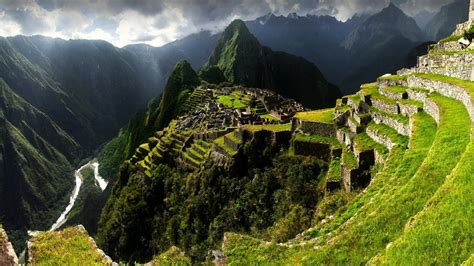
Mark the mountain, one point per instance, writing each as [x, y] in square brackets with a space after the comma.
[60, 101]
[178, 88]
[243, 60]
[36, 160]
[445, 21]
[341, 49]
[315, 38]
[386, 34]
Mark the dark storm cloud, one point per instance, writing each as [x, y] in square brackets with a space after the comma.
[145, 20]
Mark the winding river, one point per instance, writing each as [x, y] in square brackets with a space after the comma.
[99, 181]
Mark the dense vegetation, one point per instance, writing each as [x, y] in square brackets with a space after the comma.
[267, 193]
[142, 126]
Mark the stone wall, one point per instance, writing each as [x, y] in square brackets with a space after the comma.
[354, 178]
[229, 142]
[319, 150]
[453, 65]
[443, 47]
[406, 71]
[385, 107]
[461, 28]
[417, 95]
[408, 109]
[282, 137]
[400, 127]
[392, 94]
[383, 82]
[448, 90]
[432, 109]
[315, 128]
[380, 138]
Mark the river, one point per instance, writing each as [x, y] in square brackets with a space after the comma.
[99, 181]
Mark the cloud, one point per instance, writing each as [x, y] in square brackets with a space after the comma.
[157, 22]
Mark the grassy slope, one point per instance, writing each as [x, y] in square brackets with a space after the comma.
[434, 235]
[382, 221]
[66, 247]
[399, 163]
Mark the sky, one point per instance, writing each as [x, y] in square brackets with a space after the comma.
[157, 22]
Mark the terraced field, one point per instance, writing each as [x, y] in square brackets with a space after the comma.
[418, 207]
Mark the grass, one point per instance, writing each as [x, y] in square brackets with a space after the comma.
[318, 139]
[220, 142]
[389, 132]
[451, 38]
[467, 85]
[400, 118]
[348, 159]
[274, 128]
[334, 171]
[191, 158]
[70, 246]
[462, 52]
[385, 206]
[230, 101]
[323, 116]
[383, 98]
[402, 197]
[173, 256]
[245, 250]
[364, 143]
[369, 88]
[411, 102]
[442, 233]
[234, 138]
[396, 89]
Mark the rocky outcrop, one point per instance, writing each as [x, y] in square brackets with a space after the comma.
[52, 243]
[7, 253]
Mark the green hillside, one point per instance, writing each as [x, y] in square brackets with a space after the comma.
[35, 162]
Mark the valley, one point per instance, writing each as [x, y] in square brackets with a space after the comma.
[278, 140]
[79, 179]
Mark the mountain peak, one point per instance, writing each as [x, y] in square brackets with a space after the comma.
[235, 35]
[237, 26]
[392, 9]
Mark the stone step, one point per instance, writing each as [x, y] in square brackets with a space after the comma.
[364, 148]
[394, 92]
[354, 126]
[392, 80]
[194, 154]
[458, 89]
[190, 161]
[385, 135]
[446, 46]
[385, 104]
[398, 122]
[199, 149]
[453, 64]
